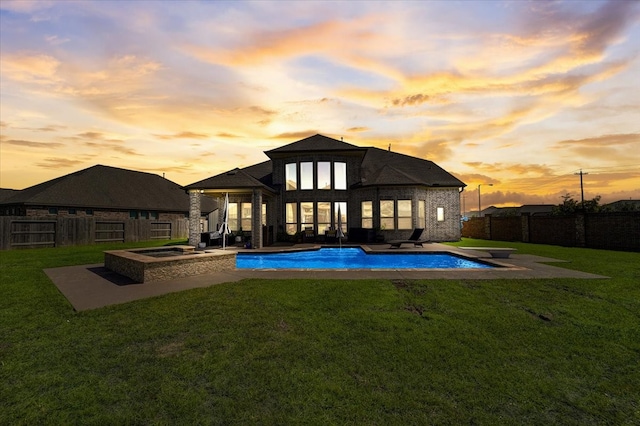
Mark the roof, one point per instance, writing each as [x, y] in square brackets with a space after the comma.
[315, 143]
[249, 177]
[7, 193]
[109, 188]
[379, 168]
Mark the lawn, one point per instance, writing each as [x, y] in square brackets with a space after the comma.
[373, 352]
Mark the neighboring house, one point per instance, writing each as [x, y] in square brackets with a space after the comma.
[530, 209]
[103, 192]
[623, 206]
[303, 185]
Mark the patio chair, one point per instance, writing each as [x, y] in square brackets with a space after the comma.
[413, 239]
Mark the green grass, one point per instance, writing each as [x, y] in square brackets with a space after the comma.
[374, 352]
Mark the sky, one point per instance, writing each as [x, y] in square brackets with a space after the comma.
[520, 95]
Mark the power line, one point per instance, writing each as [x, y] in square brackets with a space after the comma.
[581, 186]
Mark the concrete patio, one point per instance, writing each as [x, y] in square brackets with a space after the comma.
[94, 286]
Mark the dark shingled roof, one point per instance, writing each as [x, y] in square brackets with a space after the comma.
[315, 143]
[7, 193]
[379, 167]
[249, 177]
[104, 187]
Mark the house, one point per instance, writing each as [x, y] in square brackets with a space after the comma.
[102, 192]
[301, 188]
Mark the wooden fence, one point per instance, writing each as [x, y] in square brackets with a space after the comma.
[613, 230]
[31, 232]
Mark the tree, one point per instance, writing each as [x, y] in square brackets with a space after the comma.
[570, 206]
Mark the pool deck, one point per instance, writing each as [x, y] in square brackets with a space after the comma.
[94, 286]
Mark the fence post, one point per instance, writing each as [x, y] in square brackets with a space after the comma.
[524, 223]
[487, 226]
[581, 239]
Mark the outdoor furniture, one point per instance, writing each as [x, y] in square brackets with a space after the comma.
[495, 252]
[308, 236]
[413, 239]
[331, 236]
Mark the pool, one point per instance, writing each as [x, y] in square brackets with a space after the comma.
[353, 258]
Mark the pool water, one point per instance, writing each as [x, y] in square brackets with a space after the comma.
[352, 258]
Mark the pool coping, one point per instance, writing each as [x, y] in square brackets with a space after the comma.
[93, 286]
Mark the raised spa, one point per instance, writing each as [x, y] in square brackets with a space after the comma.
[163, 263]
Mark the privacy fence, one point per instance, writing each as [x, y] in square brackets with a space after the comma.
[31, 232]
[613, 231]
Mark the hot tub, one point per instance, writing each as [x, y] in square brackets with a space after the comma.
[163, 263]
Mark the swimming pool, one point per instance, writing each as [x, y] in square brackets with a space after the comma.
[353, 258]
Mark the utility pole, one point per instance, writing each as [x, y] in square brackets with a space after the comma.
[581, 186]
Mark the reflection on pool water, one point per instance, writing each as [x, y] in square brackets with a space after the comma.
[353, 258]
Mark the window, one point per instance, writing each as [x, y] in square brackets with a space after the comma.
[155, 215]
[291, 176]
[72, 211]
[133, 214]
[264, 214]
[245, 216]
[89, 212]
[404, 214]
[144, 215]
[421, 214]
[324, 216]
[340, 175]
[306, 213]
[291, 218]
[53, 210]
[306, 175]
[440, 214]
[342, 206]
[366, 208]
[387, 213]
[324, 175]
[233, 216]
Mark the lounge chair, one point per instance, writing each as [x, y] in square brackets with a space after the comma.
[414, 239]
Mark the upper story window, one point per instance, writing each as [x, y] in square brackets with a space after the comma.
[340, 175]
[306, 175]
[324, 175]
[291, 176]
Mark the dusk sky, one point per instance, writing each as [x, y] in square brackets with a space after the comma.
[520, 94]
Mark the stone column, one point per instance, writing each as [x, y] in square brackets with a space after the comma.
[194, 217]
[256, 219]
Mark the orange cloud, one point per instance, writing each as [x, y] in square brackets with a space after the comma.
[32, 144]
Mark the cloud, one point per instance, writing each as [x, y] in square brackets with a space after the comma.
[32, 144]
[58, 163]
[183, 135]
[606, 140]
[295, 135]
[358, 129]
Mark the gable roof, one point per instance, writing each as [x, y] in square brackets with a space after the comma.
[7, 193]
[378, 168]
[109, 188]
[249, 177]
[315, 143]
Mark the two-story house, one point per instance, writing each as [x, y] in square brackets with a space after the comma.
[304, 184]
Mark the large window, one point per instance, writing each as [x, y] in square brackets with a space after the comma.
[324, 216]
[340, 175]
[440, 214]
[291, 176]
[387, 214]
[245, 216]
[324, 175]
[367, 214]
[233, 216]
[404, 214]
[306, 215]
[291, 218]
[421, 214]
[306, 175]
[264, 214]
